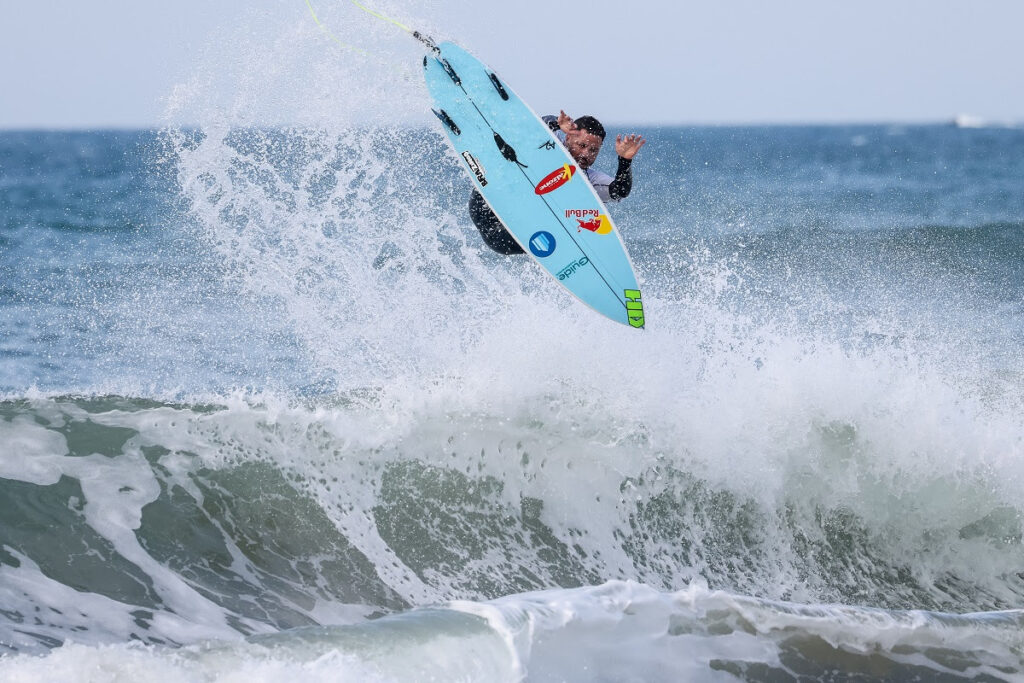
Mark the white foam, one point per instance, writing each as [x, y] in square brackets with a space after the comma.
[68, 615]
[31, 452]
[628, 631]
[115, 490]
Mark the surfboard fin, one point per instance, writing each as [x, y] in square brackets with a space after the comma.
[451, 72]
[507, 151]
[498, 86]
[447, 121]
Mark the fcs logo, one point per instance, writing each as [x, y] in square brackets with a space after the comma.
[600, 224]
[555, 179]
[542, 244]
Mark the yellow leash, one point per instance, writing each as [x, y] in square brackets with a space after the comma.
[426, 40]
[331, 35]
[381, 16]
[400, 69]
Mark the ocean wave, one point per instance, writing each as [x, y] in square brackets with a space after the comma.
[180, 522]
[611, 632]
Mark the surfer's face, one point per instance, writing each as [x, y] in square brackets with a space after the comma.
[583, 147]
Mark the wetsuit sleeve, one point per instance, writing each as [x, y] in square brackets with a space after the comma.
[623, 183]
[552, 122]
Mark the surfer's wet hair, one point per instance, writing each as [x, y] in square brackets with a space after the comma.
[591, 125]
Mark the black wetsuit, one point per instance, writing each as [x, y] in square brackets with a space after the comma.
[491, 229]
[498, 238]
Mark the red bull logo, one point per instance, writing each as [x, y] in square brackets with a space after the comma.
[599, 224]
[555, 179]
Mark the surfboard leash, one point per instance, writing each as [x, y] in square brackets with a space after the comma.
[331, 35]
[400, 69]
[426, 40]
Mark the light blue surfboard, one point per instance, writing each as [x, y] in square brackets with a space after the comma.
[532, 184]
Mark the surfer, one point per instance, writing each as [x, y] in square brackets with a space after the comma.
[583, 139]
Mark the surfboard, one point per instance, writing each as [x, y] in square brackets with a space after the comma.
[532, 184]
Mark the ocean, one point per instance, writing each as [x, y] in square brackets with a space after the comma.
[270, 409]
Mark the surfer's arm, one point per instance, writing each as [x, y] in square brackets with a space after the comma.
[623, 183]
[626, 147]
[552, 122]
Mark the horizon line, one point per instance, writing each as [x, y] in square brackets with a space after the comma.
[953, 121]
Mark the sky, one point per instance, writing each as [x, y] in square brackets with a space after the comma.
[125, 63]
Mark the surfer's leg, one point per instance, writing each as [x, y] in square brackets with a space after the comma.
[494, 233]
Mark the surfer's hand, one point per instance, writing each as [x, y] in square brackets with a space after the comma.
[627, 147]
[566, 123]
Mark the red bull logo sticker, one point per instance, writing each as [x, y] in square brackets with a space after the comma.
[590, 219]
[555, 179]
